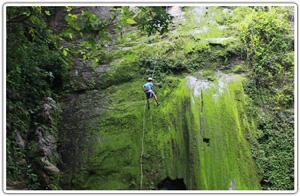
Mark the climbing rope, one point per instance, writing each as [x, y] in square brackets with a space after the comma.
[155, 63]
[142, 153]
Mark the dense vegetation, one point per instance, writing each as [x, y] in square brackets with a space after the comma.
[38, 65]
[270, 51]
[35, 71]
[39, 61]
[268, 46]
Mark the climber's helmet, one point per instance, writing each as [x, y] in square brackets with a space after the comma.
[149, 79]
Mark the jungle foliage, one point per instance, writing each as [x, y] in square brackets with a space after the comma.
[269, 47]
[270, 54]
[35, 70]
[38, 63]
[266, 43]
[158, 21]
[273, 146]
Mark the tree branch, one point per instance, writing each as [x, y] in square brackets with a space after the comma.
[22, 20]
[35, 28]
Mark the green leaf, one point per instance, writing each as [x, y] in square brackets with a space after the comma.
[26, 13]
[48, 13]
[65, 52]
[117, 9]
[95, 66]
[93, 45]
[32, 32]
[112, 16]
[71, 35]
[106, 37]
[130, 21]
[68, 8]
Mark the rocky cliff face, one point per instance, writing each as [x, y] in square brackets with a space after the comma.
[199, 134]
[40, 149]
[197, 138]
[201, 137]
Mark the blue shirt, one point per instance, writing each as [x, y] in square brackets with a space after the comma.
[148, 86]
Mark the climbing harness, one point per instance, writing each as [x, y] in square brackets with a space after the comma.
[151, 94]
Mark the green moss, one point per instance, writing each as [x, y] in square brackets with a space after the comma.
[238, 69]
[173, 143]
[174, 131]
[208, 73]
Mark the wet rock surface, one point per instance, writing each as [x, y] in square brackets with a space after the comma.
[200, 85]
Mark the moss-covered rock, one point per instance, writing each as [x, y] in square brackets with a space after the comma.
[198, 134]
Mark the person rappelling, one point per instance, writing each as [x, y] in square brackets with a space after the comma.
[149, 92]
